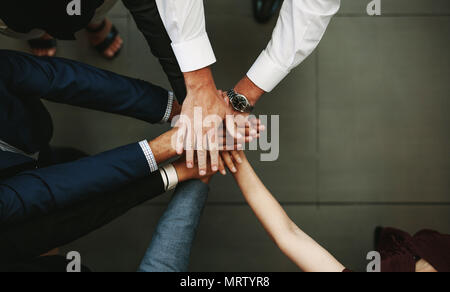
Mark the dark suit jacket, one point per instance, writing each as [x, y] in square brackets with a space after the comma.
[51, 16]
[26, 125]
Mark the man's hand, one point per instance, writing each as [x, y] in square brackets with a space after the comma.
[202, 113]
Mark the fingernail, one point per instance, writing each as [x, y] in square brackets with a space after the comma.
[215, 168]
[202, 173]
[224, 172]
[190, 165]
[234, 169]
[239, 160]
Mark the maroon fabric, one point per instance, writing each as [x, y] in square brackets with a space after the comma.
[401, 251]
[434, 248]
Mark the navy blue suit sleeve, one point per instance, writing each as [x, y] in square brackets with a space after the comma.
[70, 82]
[43, 190]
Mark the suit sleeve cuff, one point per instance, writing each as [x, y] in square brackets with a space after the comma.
[166, 117]
[194, 54]
[153, 166]
[265, 73]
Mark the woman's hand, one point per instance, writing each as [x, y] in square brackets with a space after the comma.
[231, 159]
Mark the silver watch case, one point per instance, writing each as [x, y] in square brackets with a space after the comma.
[239, 102]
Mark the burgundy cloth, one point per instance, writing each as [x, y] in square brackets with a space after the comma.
[400, 251]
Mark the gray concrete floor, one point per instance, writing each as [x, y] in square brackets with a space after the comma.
[365, 137]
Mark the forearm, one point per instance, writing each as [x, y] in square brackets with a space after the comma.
[70, 82]
[306, 253]
[249, 89]
[265, 206]
[299, 30]
[162, 147]
[41, 191]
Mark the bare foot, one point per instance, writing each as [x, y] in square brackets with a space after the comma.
[44, 52]
[98, 37]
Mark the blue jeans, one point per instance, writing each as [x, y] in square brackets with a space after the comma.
[172, 241]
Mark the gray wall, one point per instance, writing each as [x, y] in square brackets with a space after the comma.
[365, 137]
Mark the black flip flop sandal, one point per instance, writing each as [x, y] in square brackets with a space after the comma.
[108, 41]
[42, 44]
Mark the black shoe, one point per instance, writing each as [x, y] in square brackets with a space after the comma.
[265, 9]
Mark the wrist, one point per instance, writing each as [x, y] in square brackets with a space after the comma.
[162, 147]
[199, 79]
[249, 89]
[182, 171]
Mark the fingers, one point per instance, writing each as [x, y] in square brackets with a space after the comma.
[236, 156]
[222, 166]
[213, 147]
[231, 128]
[181, 136]
[229, 161]
[201, 154]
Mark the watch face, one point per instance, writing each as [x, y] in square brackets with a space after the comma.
[240, 103]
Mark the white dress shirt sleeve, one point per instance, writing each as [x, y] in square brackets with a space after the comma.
[300, 27]
[185, 23]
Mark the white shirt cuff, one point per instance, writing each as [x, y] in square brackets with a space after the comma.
[168, 112]
[194, 54]
[265, 73]
[149, 156]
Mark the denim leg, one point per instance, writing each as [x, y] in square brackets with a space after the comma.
[172, 241]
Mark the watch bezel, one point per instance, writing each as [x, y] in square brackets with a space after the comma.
[232, 95]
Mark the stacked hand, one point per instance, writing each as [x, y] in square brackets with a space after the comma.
[201, 126]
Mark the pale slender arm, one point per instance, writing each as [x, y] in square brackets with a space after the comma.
[306, 253]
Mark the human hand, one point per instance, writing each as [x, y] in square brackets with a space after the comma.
[202, 113]
[238, 121]
[230, 156]
[184, 173]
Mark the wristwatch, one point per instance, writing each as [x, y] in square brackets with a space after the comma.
[239, 102]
